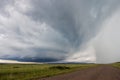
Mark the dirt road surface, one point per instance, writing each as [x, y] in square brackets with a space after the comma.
[104, 72]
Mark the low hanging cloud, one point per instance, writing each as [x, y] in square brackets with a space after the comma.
[63, 31]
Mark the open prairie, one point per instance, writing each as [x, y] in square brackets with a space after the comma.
[60, 71]
[102, 72]
[37, 71]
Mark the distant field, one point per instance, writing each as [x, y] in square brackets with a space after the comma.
[34, 71]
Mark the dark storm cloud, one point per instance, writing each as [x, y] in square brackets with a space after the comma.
[75, 20]
[65, 30]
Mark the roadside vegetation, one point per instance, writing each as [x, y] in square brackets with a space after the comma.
[34, 71]
[116, 64]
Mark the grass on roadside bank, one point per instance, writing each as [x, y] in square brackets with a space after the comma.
[34, 71]
[116, 64]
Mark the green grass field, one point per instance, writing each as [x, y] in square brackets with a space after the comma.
[34, 71]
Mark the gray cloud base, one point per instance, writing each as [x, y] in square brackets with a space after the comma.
[50, 30]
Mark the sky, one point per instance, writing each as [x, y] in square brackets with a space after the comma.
[60, 30]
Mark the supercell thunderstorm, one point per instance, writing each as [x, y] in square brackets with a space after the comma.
[60, 30]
